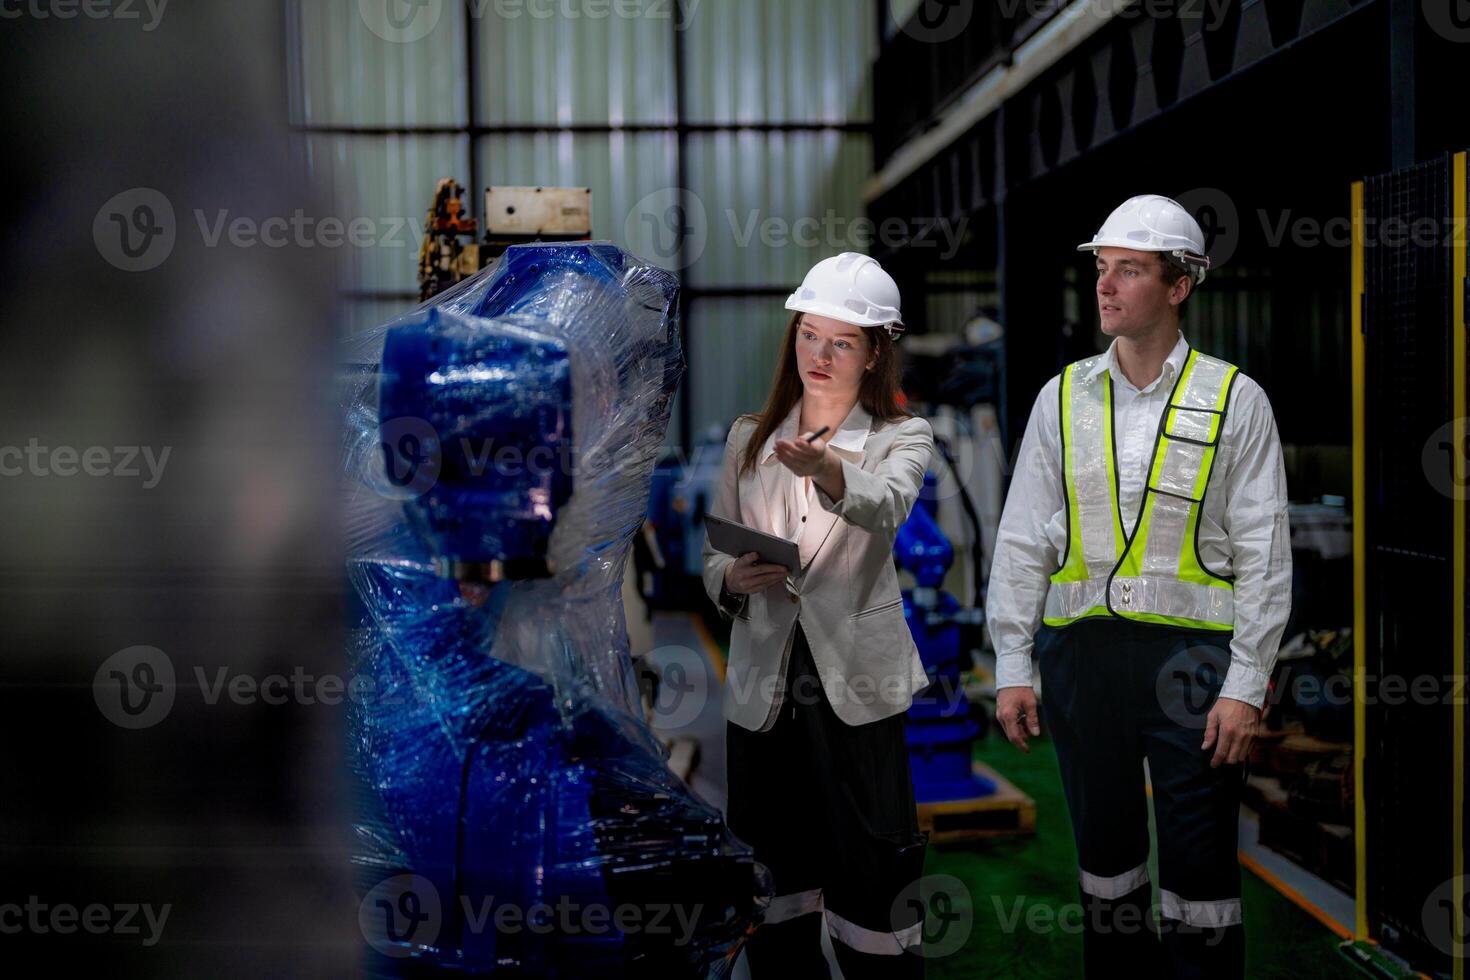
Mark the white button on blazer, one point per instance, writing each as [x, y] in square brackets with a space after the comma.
[846, 594]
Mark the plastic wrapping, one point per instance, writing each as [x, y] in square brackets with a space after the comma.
[518, 814]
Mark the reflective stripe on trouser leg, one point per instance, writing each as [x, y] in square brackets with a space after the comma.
[876, 931]
[784, 907]
[814, 793]
[770, 777]
[1090, 705]
[1114, 886]
[1203, 939]
[874, 941]
[1197, 807]
[1203, 914]
[865, 912]
[875, 927]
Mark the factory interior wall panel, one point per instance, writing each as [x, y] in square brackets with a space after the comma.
[1409, 521]
[738, 339]
[773, 203]
[1232, 317]
[951, 263]
[948, 310]
[773, 61]
[385, 180]
[633, 177]
[1032, 285]
[349, 76]
[584, 70]
[1285, 333]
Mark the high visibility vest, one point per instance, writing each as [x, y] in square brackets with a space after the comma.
[1154, 575]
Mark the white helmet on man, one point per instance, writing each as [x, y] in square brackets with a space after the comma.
[1151, 223]
[853, 288]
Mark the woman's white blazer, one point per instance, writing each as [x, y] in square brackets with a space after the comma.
[846, 595]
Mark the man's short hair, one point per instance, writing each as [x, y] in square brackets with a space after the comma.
[1172, 271]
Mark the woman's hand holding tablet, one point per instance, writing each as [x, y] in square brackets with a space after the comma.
[747, 576]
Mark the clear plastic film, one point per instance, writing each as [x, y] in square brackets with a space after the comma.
[518, 815]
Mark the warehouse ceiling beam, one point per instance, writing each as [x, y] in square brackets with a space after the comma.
[1028, 61]
[1003, 133]
[523, 129]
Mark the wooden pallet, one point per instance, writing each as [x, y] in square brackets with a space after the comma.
[1007, 812]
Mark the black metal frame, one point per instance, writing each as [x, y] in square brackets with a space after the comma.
[1407, 324]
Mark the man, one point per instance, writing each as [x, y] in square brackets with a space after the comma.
[1145, 555]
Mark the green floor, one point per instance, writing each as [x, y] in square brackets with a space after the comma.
[1282, 941]
[1005, 876]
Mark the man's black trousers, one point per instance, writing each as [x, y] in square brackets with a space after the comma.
[1114, 693]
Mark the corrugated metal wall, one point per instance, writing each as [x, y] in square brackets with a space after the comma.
[776, 101]
[382, 180]
[347, 75]
[774, 203]
[577, 70]
[755, 61]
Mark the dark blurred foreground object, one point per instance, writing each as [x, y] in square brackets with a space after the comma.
[187, 370]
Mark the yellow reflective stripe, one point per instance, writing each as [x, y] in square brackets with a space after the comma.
[1180, 621]
[1190, 569]
[1206, 469]
[1132, 564]
[1075, 569]
[1092, 613]
[1120, 539]
[1217, 420]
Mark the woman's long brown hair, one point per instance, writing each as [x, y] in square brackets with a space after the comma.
[879, 393]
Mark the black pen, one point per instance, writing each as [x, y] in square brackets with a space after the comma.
[815, 435]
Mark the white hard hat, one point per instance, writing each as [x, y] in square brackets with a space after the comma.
[853, 288]
[1151, 223]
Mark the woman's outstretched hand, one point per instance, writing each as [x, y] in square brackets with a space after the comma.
[801, 457]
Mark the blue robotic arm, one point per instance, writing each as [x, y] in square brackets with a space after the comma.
[519, 818]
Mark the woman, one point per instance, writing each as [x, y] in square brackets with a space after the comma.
[822, 665]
